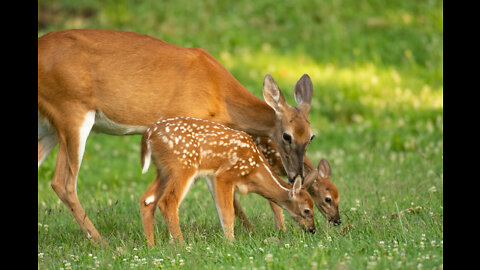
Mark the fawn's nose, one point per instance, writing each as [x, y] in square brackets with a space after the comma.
[312, 230]
[337, 222]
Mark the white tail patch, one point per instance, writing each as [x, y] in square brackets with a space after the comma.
[147, 158]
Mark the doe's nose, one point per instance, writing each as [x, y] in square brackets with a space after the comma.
[337, 222]
[312, 230]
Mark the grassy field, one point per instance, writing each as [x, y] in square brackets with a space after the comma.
[377, 112]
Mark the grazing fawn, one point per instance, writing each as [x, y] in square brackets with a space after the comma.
[317, 182]
[184, 149]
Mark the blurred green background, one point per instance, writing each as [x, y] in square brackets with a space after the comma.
[367, 59]
[377, 112]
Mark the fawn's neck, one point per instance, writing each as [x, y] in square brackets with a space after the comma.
[271, 187]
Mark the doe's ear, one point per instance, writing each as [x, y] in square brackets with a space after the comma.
[297, 186]
[310, 178]
[324, 168]
[304, 92]
[272, 94]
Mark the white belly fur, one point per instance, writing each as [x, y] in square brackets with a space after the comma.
[104, 125]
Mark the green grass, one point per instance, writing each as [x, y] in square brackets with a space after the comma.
[377, 112]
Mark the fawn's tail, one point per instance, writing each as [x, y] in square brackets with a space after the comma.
[146, 152]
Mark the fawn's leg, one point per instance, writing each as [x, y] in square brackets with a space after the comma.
[177, 186]
[148, 205]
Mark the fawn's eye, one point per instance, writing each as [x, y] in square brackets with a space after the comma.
[328, 199]
[287, 137]
[311, 138]
[306, 211]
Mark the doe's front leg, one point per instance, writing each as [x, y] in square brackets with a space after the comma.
[241, 214]
[225, 208]
[278, 216]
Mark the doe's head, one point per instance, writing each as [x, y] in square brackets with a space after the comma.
[300, 206]
[292, 133]
[324, 192]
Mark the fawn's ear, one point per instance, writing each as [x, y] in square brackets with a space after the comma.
[310, 178]
[272, 94]
[324, 168]
[303, 92]
[297, 186]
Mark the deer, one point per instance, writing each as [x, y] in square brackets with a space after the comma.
[317, 183]
[119, 83]
[185, 149]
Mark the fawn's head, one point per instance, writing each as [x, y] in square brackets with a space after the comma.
[300, 206]
[292, 133]
[324, 192]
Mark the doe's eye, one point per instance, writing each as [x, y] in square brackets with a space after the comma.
[287, 137]
[328, 200]
[311, 138]
[306, 211]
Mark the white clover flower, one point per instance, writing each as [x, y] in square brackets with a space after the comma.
[381, 243]
[432, 189]
[269, 257]
[261, 249]
[287, 245]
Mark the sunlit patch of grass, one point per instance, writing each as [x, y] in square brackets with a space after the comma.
[374, 86]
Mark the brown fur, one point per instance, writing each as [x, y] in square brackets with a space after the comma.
[318, 187]
[133, 79]
[184, 149]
